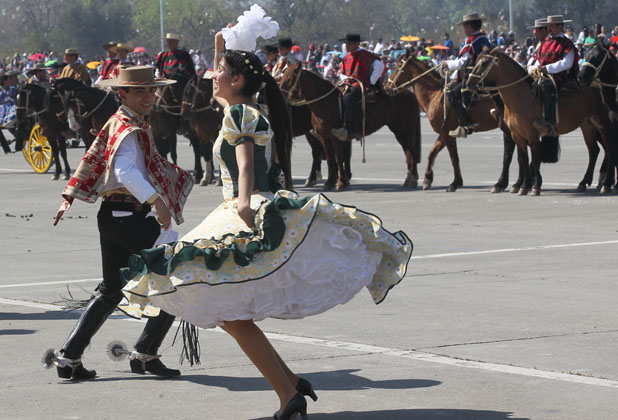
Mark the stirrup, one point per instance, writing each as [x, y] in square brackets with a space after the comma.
[460, 132]
[545, 128]
[341, 133]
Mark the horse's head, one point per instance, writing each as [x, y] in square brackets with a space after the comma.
[30, 101]
[401, 74]
[188, 97]
[484, 69]
[289, 83]
[595, 59]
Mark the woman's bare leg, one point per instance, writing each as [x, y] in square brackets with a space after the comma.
[261, 353]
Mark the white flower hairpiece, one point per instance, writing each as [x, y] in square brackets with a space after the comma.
[251, 24]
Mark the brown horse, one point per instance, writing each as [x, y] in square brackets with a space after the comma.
[429, 90]
[583, 109]
[400, 113]
[204, 116]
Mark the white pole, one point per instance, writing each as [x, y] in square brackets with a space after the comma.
[162, 29]
[510, 16]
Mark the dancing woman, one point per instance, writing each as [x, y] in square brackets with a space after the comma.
[264, 253]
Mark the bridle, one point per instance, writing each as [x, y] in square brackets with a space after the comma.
[26, 107]
[597, 69]
[201, 93]
[481, 77]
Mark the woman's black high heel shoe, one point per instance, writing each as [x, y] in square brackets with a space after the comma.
[304, 387]
[297, 404]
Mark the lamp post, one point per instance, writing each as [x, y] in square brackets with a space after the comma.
[510, 16]
[162, 31]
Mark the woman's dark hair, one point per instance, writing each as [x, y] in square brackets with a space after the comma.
[249, 66]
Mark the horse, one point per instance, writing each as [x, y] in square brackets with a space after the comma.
[400, 113]
[204, 116]
[46, 105]
[429, 91]
[601, 69]
[92, 107]
[166, 121]
[582, 109]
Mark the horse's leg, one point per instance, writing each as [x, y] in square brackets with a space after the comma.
[54, 143]
[431, 158]
[316, 162]
[210, 167]
[341, 157]
[526, 176]
[608, 137]
[404, 139]
[535, 167]
[347, 164]
[603, 172]
[451, 145]
[590, 138]
[507, 158]
[331, 161]
[173, 147]
[63, 152]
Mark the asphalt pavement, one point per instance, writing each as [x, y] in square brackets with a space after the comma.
[508, 310]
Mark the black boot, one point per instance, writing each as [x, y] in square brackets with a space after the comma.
[144, 358]
[69, 365]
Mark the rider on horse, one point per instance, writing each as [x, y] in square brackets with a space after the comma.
[558, 63]
[271, 53]
[74, 69]
[539, 30]
[110, 62]
[174, 60]
[476, 41]
[359, 67]
[38, 75]
[286, 58]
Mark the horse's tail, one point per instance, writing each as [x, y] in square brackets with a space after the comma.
[416, 146]
[550, 149]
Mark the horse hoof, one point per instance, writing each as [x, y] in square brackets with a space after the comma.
[341, 187]
[426, 185]
[318, 176]
[496, 190]
[515, 189]
[523, 191]
[219, 183]
[309, 183]
[55, 177]
[536, 192]
[66, 177]
[327, 187]
[451, 188]
[581, 188]
[410, 184]
[606, 190]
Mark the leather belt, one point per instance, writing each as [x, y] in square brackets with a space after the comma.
[124, 198]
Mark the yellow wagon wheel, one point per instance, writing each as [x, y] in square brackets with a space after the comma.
[37, 150]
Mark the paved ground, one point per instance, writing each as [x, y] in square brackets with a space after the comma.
[508, 310]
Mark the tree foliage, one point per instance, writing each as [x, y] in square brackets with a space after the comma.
[38, 25]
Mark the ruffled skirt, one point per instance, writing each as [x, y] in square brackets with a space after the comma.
[303, 258]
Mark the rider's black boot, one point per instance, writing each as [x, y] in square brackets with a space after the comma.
[144, 358]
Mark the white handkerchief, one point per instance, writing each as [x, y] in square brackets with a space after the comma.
[166, 236]
[119, 213]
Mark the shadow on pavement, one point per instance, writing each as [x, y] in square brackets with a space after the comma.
[16, 332]
[415, 414]
[39, 316]
[339, 380]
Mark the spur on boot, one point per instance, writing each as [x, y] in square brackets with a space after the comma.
[297, 405]
[142, 363]
[72, 369]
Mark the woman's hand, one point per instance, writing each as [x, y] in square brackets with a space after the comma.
[247, 215]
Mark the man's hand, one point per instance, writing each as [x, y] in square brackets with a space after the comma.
[164, 217]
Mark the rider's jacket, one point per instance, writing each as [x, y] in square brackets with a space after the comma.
[474, 44]
[76, 71]
[169, 62]
[558, 49]
[107, 68]
[283, 63]
[358, 64]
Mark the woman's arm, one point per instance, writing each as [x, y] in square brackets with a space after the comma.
[219, 46]
[244, 159]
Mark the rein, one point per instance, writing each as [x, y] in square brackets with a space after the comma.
[191, 104]
[91, 112]
[27, 106]
[399, 72]
[481, 78]
[166, 106]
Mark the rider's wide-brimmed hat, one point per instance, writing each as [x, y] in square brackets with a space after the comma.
[108, 45]
[121, 46]
[557, 19]
[471, 17]
[135, 76]
[351, 38]
[37, 67]
[539, 23]
[285, 42]
[71, 51]
[12, 73]
[172, 35]
[271, 48]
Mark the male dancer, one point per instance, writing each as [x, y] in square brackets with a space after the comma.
[124, 168]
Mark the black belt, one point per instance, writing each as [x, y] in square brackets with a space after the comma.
[125, 199]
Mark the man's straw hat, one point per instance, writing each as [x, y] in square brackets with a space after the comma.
[121, 46]
[173, 35]
[471, 17]
[71, 51]
[539, 23]
[108, 45]
[135, 76]
[557, 19]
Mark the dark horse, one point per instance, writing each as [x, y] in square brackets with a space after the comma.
[400, 113]
[167, 122]
[92, 106]
[46, 105]
[204, 116]
[601, 69]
